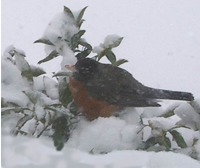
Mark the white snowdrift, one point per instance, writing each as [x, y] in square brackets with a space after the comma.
[27, 152]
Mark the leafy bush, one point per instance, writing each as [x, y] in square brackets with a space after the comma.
[42, 106]
[49, 106]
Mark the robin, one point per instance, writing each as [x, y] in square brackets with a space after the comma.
[101, 89]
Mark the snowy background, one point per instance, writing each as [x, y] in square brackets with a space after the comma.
[161, 38]
[161, 42]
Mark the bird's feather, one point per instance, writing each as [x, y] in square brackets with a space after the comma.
[125, 92]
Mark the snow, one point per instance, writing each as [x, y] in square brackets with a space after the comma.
[197, 146]
[24, 151]
[150, 112]
[110, 41]
[162, 53]
[162, 157]
[164, 123]
[9, 122]
[196, 105]
[59, 31]
[12, 83]
[98, 49]
[188, 115]
[69, 59]
[40, 113]
[51, 87]
[61, 26]
[38, 83]
[113, 134]
[161, 42]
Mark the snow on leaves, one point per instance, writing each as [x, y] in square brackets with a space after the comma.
[105, 49]
[46, 108]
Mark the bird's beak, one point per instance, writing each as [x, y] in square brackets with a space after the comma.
[71, 68]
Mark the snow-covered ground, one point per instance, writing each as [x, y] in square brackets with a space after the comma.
[27, 152]
[161, 42]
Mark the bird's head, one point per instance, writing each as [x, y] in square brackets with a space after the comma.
[84, 69]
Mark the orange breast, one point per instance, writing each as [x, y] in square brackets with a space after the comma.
[90, 107]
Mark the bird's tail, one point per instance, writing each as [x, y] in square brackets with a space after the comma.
[168, 94]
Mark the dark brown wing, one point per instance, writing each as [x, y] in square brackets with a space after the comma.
[116, 86]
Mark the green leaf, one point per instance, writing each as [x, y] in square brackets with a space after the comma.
[75, 40]
[37, 71]
[69, 12]
[62, 73]
[164, 141]
[102, 54]
[79, 20]
[74, 109]
[167, 142]
[51, 56]
[5, 103]
[79, 25]
[54, 107]
[85, 52]
[58, 109]
[85, 44]
[61, 131]
[150, 142]
[44, 41]
[22, 121]
[179, 139]
[23, 66]
[65, 95]
[20, 52]
[168, 114]
[120, 62]
[12, 52]
[91, 151]
[8, 110]
[31, 95]
[80, 33]
[28, 74]
[43, 121]
[111, 57]
[23, 133]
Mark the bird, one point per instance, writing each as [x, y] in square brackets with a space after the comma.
[100, 89]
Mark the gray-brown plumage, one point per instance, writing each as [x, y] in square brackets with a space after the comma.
[115, 86]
